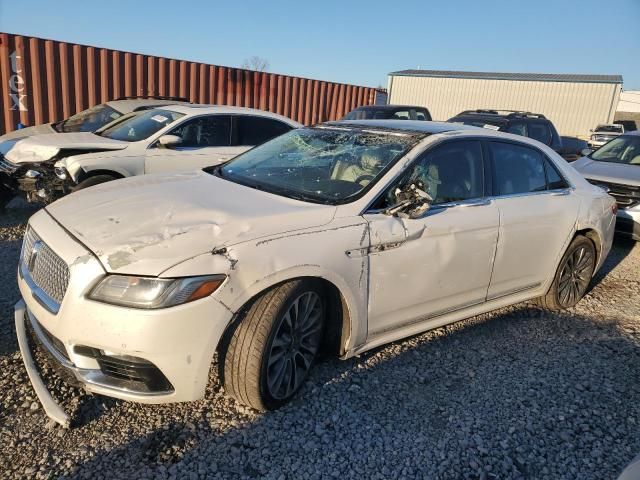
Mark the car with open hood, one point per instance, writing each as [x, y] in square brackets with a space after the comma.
[616, 167]
[167, 139]
[336, 238]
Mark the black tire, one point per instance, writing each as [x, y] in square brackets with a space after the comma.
[248, 372]
[95, 180]
[6, 195]
[572, 278]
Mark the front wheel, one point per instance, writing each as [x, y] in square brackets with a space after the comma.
[275, 344]
[573, 275]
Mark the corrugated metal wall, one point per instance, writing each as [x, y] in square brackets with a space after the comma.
[46, 81]
[574, 108]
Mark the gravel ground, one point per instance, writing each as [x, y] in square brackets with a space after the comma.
[518, 393]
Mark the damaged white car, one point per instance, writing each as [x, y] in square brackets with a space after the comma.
[337, 238]
[168, 139]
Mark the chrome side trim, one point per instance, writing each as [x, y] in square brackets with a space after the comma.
[39, 294]
[512, 291]
[436, 314]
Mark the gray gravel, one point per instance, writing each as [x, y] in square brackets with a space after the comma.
[518, 393]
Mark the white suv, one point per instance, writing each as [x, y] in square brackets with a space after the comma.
[168, 139]
[603, 133]
[340, 237]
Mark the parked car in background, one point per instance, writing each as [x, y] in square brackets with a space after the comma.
[572, 148]
[527, 124]
[391, 112]
[603, 133]
[93, 118]
[168, 139]
[629, 125]
[296, 246]
[616, 167]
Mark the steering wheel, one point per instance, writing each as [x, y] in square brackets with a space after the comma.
[362, 178]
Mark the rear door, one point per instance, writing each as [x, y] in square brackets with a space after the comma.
[251, 130]
[537, 216]
[206, 141]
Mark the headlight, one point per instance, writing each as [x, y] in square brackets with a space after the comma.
[144, 292]
[60, 172]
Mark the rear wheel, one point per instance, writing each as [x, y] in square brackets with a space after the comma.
[95, 180]
[275, 344]
[573, 275]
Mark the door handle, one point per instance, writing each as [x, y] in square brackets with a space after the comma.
[559, 193]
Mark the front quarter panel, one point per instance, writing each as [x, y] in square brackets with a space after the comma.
[253, 267]
[126, 166]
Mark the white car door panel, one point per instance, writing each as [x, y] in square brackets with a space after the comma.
[206, 141]
[535, 226]
[160, 160]
[534, 230]
[420, 268]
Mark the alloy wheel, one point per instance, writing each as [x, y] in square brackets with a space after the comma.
[295, 345]
[575, 276]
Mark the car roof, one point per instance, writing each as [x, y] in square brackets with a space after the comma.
[419, 126]
[387, 107]
[201, 109]
[128, 105]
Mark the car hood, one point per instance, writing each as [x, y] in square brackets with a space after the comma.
[144, 225]
[40, 148]
[27, 132]
[621, 173]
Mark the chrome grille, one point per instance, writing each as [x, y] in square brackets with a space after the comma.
[46, 269]
[6, 166]
[626, 196]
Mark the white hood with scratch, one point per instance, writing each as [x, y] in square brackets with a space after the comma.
[144, 225]
[41, 148]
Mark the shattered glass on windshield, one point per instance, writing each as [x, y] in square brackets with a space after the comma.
[322, 164]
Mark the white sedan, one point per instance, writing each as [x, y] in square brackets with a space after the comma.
[168, 139]
[336, 238]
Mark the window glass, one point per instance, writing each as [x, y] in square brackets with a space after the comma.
[401, 115]
[323, 164]
[450, 173]
[141, 126]
[210, 131]
[89, 120]
[540, 131]
[554, 179]
[623, 149]
[517, 128]
[256, 130]
[518, 169]
[420, 115]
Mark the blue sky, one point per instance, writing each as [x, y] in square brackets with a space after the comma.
[355, 41]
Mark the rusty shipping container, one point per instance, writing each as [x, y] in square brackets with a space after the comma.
[47, 81]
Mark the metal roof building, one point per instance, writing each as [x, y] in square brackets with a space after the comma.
[574, 103]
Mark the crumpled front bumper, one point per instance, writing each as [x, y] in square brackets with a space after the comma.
[52, 409]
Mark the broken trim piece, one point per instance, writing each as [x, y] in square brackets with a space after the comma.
[51, 408]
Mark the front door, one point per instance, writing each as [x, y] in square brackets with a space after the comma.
[206, 141]
[426, 267]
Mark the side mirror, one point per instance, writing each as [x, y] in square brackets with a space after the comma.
[169, 141]
[411, 202]
[585, 152]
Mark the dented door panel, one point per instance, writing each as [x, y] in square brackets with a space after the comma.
[421, 268]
